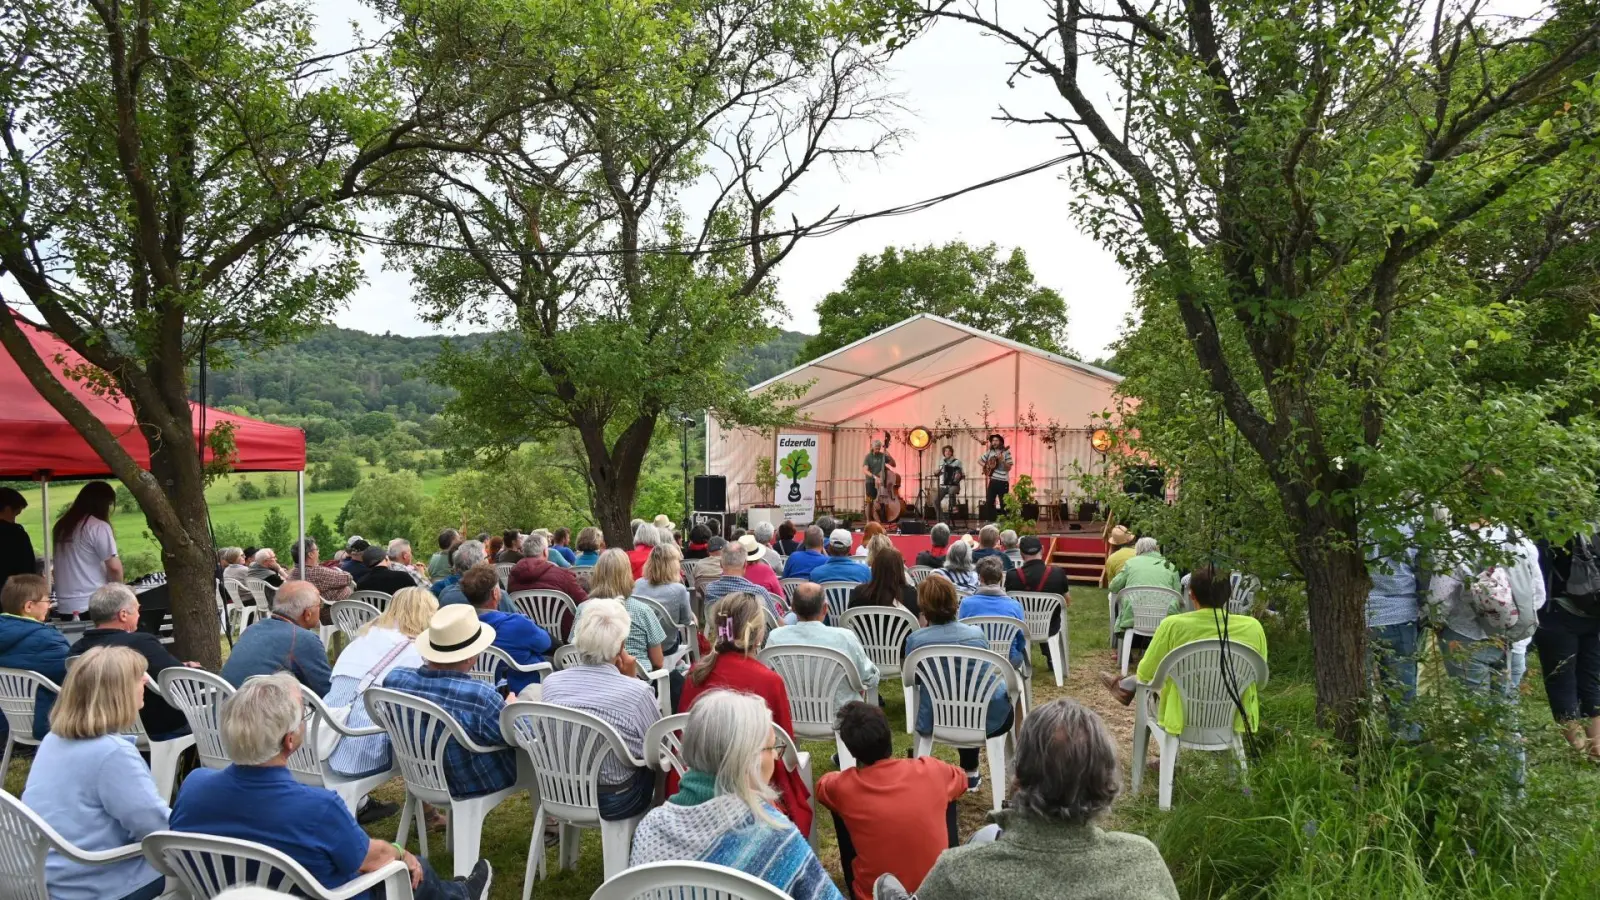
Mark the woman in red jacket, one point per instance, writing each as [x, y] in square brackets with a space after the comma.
[740, 628]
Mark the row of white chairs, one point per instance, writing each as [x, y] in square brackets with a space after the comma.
[1152, 604]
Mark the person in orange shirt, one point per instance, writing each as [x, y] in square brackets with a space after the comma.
[891, 815]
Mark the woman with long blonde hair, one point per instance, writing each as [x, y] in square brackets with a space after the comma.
[384, 644]
[613, 577]
[663, 582]
[89, 784]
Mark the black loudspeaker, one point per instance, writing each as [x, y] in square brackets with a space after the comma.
[912, 526]
[710, 493]
[716, 521]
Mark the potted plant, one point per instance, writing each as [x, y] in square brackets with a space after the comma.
[1026, 499]
[764, 509]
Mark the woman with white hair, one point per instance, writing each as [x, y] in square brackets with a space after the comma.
[959, 567]
[723, 812]
[384, 644]
[645, 539]
[1147, 568]
[605, 684]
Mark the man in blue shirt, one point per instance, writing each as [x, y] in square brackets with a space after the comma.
[990, 599]
[284, 642]
[257, 799]
[453, 640]
[988, 538]
[840, 567]
[808, 557]
[1393, 611]
[514, 633]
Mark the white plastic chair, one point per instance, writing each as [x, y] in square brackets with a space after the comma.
[685, 881]
[198, 694]
[1150, 606]
[686, 633]
[350, 616]
[663, 752]
[204, 866]
[546, 608]
[917, 573]
[564, 656]
[1002, 632]
[1111, 619]
[837, 593]
[240, 615]
[882, 631]
[378, 600]
[788, 585]
[585, 574]
[486, 668]
[419, 731]
[25, 841]
[960, 681]
[567, 748]
[1039, 608]
[1242, 601]
[503, 571]
[164, 755]
[308, 769]
[18, 688]
[263, 592]
[1197, 670]
[812, 676]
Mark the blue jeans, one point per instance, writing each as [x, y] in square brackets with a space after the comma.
[433, 887]
[1392, 660]
[1483, 668]
[631, 799]
[149, 892]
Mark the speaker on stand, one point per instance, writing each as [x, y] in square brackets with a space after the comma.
[710, 493]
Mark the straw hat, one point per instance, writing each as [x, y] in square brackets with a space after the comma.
[664, 523]
[753, 551]
[1120, 536]
[454, 634]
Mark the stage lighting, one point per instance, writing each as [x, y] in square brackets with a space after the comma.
[1101, 440]
[919, 438]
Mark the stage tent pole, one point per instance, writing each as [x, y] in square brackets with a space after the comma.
[300, 490]
[44, 503]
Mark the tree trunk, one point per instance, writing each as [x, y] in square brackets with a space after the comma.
[1336, 593]
[614, 470]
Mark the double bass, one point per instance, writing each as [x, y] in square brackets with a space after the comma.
[889, 504]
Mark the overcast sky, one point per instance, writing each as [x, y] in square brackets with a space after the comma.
[952, 80]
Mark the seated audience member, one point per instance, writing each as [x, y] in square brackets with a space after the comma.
[740, 629]
[939, 603]
[959, 569]
[663, 583]
[1011, 545]
[880, 543]
[439, 563]
[891, 815]
[888, 586]
[449, 647]
[354, 552]
[550, 548]
[519, 636]
[89, 784]
[285, 641]
[988, 545]
[590, 543]
[756, 568]
[827, 524]
[990, 600]
[26, 642]
[536, 572]
[809, 556]
[466, 555]
[510, 547]
[1048, 844]
[1147, 568]
[933, 557]
[870, 531]
[266, 568]
[256, 799]
[1039, 577]
[840, 567]
[1121, 541]
[666, 531]
[605, 684]
[393, 573]
[16, 548]
[383, 645]
[734, 560]
[646, 636]
[722, 812]
[645, 539]
[709, 569]
[558, 544]
[233, 564]
[788, 539]
[114, 610]
[811, 608]
[333, 584]
[763, 535]
[1210, 590]
[494, 547]
[699, 537]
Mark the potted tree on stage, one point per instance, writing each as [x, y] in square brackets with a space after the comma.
[765, 509]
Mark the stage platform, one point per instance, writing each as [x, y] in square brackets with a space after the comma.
[1081, 553]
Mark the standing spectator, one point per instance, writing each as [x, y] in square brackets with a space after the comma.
[605, 684]
[990, 600]
[808, 557]
[933, 557]
[1393, 611]
[85, 548]
[265, 567]
[1037, 576]
[511, 547]
[1148, 568]
[646, 636]
[699, 539]
[811, 610]
[1121, 541]
[439, 563]
[536, 572]
[891, 815]
[114, 610]
[466, 555]
[558, 544]
[393, 573]
[958, 568]
[88, 783]
[333, 584]
[590, 543]
[888, 585]
[762, 534]
[988, 545]
[286, 641]
[663, 582]
[757, 568]
[16, 548]
[787, 542]
[938, 600]
[1569, 643]
[26, 642]
[519, 636]
[645, 539]
[840, 567]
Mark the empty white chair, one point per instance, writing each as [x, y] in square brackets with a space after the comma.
[1111, 621]
[567, 748]
[1207, 683]
[378, 600]
[1150, 606]
[419, 732]
[240, 606]
[546, 608]
[813, 676]
[204, 866]
[685, 881]
[164, 755]
[1242, 601]
[917, 573]
[486, 669]
[25, 841]
[1040, 608]
[503, 571]
[837, 593]
[960, 682]
[18, 687]
[1002, 632]
[350, 616]
[198, 694]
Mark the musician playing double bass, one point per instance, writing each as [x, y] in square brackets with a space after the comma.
[873, 467]
[996, 462]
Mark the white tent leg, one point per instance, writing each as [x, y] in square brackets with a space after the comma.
[300, 493]
[44, 502]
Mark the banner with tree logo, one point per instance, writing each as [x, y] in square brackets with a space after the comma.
[796, 491]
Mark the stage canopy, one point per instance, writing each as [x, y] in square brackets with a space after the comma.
[39, 441]
[958, 382]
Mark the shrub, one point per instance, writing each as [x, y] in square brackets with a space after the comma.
[249, 490]
[386, 507]
[278, 533]
[341, 473]
[275, 485]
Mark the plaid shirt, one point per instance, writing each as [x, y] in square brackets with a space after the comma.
[476, 707]
[333, 584]
[732, 584]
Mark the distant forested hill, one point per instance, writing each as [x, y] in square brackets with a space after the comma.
[772, 358]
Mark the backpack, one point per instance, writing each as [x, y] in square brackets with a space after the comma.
[1497, 609]
[1582, 587]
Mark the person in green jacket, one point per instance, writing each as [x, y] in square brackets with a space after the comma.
[1147, 568]
[1046, 846]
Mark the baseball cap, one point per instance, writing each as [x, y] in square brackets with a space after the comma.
[840, 538]
[1031, 545]
[354, 540]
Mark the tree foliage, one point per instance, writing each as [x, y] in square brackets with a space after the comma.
[533, 487]
[386, 506]
[278, 533]
[976, 286]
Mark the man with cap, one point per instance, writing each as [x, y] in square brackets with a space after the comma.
[756, 568]
[840, 566]
[352, 562]
[709, 569]
[449, 646]
[1121, 541]
[1039, 577]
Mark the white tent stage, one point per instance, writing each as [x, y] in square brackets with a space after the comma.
[958, 382]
